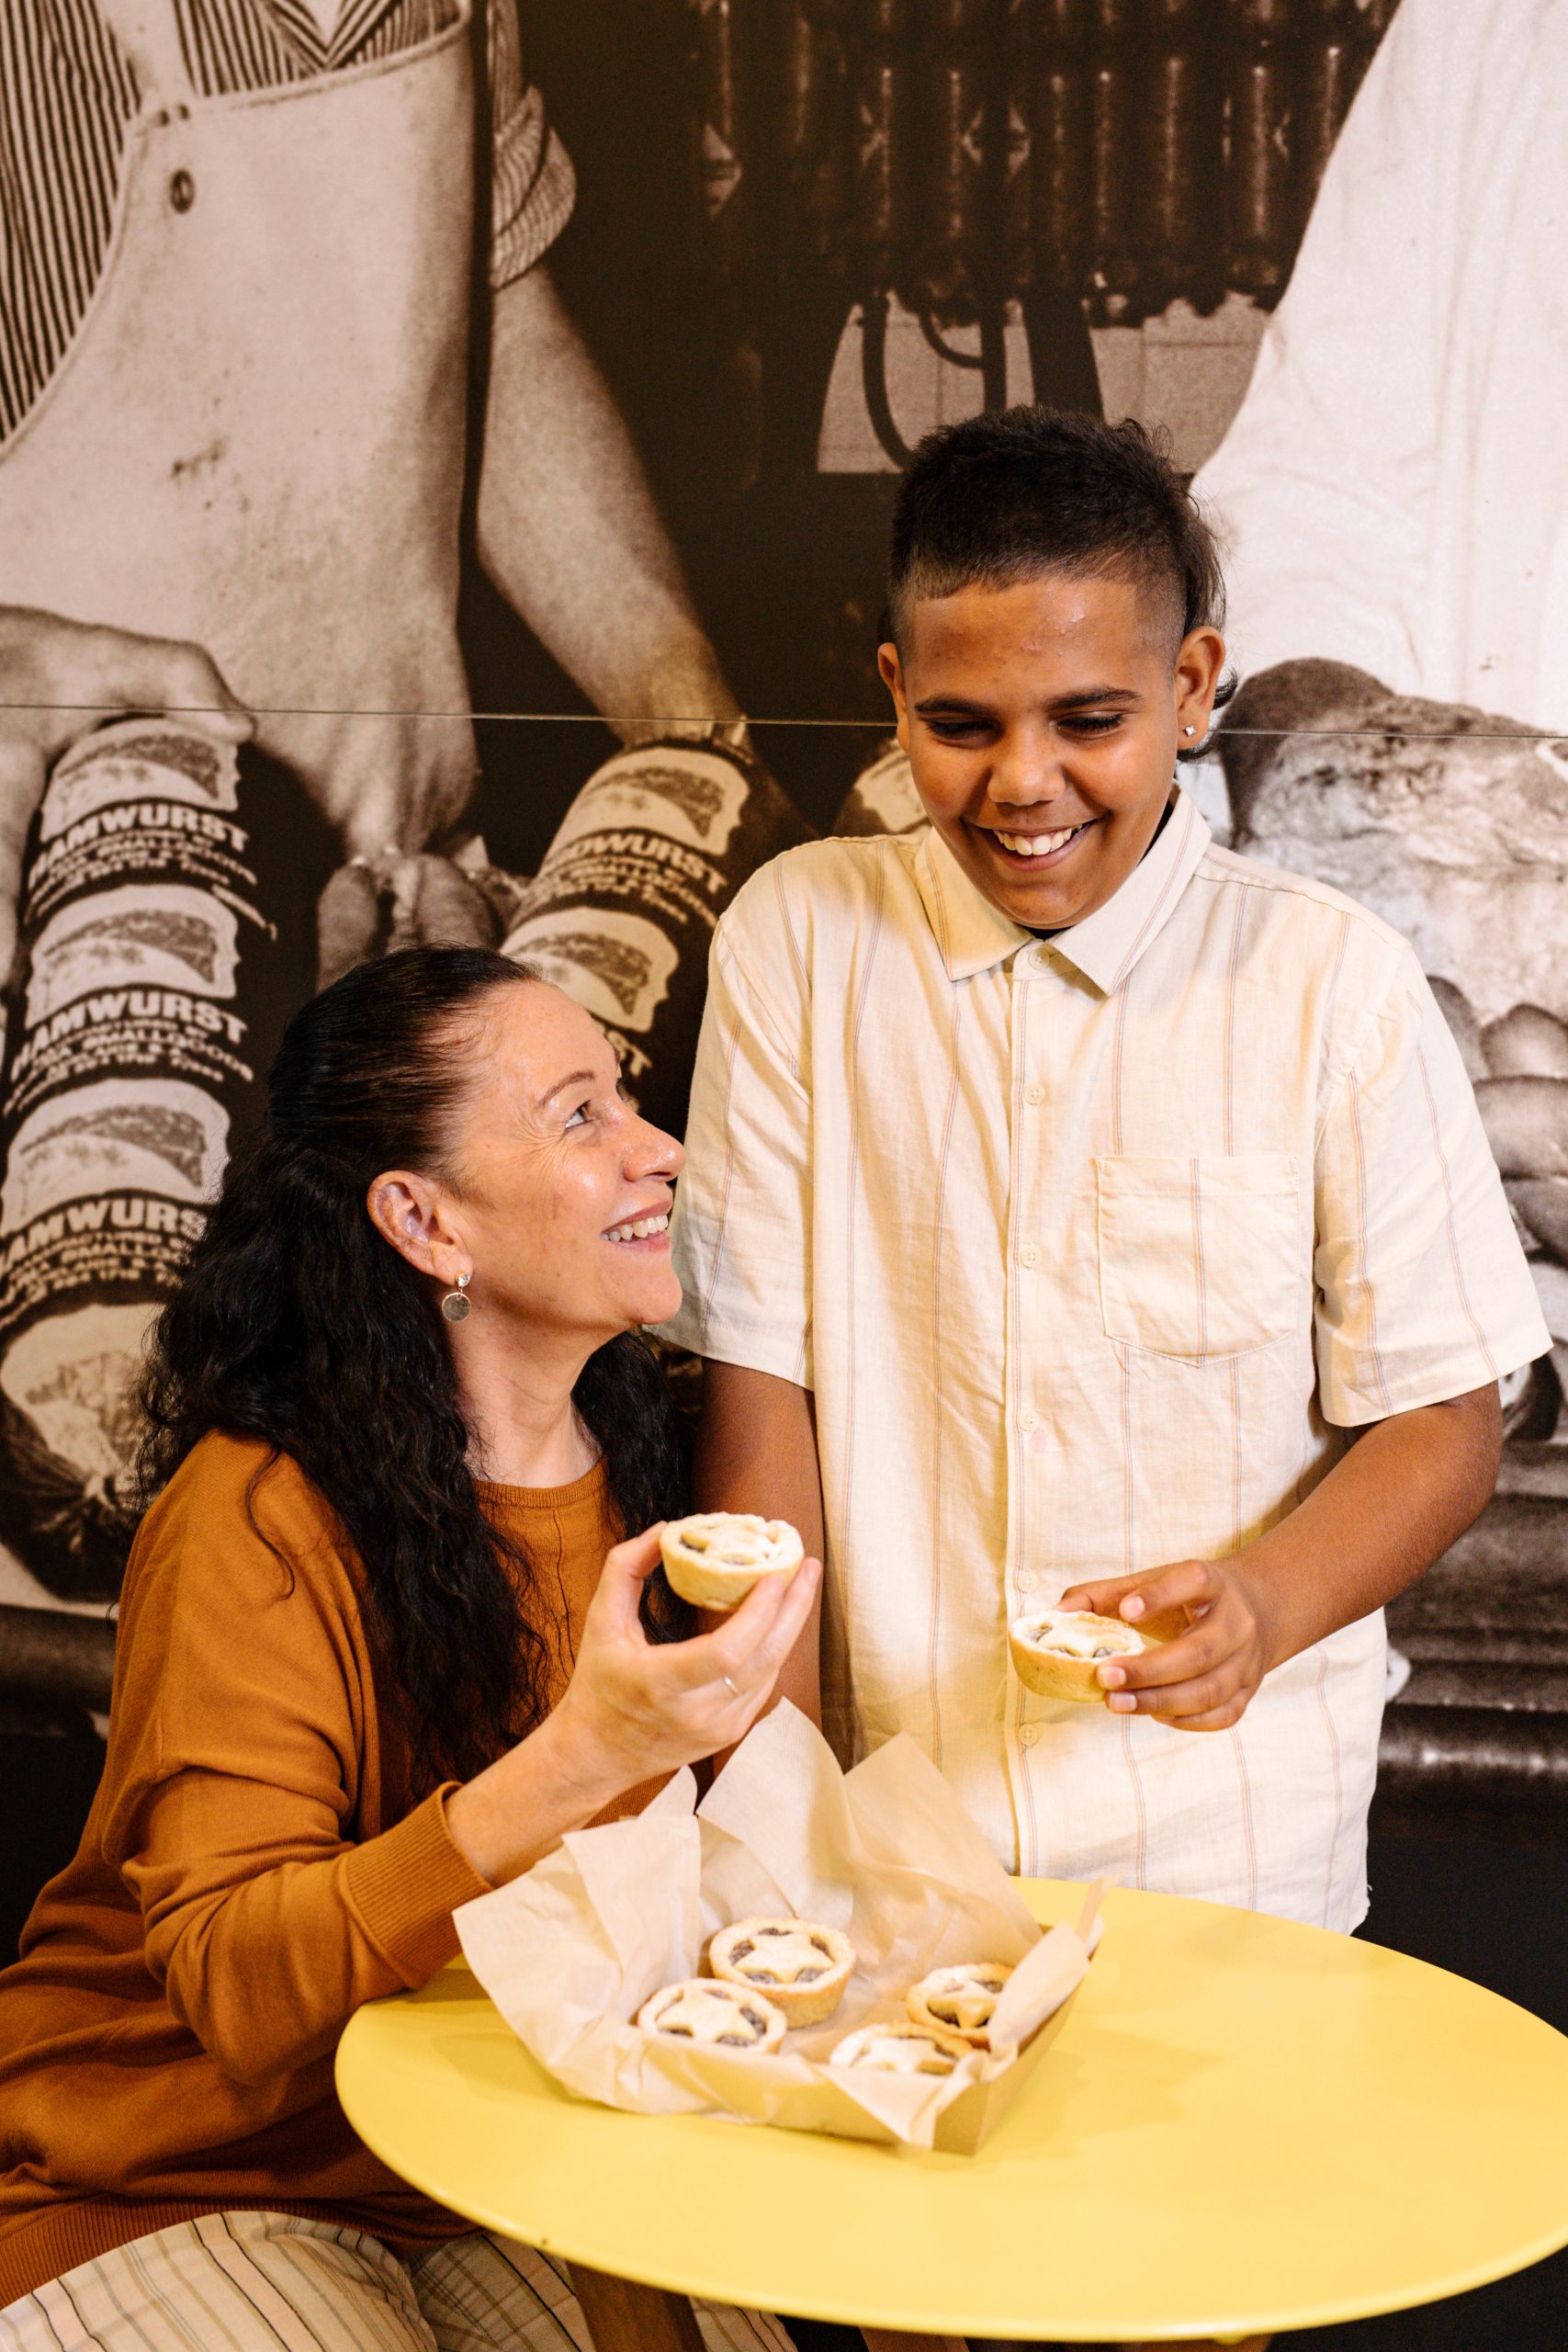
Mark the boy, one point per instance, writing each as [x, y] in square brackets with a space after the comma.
[1070, 1194]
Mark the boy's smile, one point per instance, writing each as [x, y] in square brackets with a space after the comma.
[1042, 721]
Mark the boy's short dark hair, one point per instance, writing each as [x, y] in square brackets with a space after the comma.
[1006, 496]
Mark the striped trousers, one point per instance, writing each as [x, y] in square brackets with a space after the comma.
[267, 2282]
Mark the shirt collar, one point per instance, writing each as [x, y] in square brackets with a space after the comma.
[974, 935]
[322, 48]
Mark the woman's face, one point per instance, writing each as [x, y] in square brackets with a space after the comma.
[561, 1194]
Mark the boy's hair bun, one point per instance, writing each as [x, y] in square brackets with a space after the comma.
[1003, 497]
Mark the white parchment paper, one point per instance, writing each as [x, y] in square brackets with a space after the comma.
[569, 1951]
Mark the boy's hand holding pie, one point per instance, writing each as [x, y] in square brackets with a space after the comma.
[1212, 1645]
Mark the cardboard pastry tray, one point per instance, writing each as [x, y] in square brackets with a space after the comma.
[619, 1906]
[961, 2129]
[976, 2112]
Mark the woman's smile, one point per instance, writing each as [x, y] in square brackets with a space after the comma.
[646, 1230]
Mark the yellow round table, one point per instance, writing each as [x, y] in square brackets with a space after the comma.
[1244, 2124]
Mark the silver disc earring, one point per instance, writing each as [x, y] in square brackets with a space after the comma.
[456, 1306]
[1189, 731]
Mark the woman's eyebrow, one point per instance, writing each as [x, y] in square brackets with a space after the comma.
[572, 1078]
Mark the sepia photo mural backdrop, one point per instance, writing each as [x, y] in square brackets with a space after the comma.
[445, 463]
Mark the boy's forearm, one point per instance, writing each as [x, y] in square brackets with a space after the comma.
[1406, 1490]
[1389, 1507]
[757, 1451]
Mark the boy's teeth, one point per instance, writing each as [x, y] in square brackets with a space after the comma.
[639, 1231]
[1036, 845]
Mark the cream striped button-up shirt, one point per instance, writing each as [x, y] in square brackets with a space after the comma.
[1090, 1249]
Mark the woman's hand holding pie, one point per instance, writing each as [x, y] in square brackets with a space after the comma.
[1212, 1649]
[635, 1708]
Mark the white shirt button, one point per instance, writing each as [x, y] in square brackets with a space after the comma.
[1035, 1093]
[1026, 1580]
[1028, 1420]
[1029, 1255]
[1028, 1734]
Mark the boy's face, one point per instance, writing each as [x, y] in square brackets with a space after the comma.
[1042, 722]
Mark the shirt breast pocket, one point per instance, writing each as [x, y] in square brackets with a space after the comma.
[1202, 1257]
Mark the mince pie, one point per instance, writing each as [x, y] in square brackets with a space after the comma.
[703, 2009]
[1059, 1652]
[802, 1968]
[714, 1558]
[900, 2049]
[960, 1999]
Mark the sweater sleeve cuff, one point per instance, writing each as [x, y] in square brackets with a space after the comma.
[405, 1885]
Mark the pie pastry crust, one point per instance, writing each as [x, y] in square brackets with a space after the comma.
[900, 2049]
[802, 1968]
[718, 1556]
[714, 1558]
[703, 2009]
[1058, 1652]
[960, 1999]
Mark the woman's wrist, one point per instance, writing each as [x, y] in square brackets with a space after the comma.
[519, 1808]
[586, 1763]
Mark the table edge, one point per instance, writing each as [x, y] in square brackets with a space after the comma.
[1262, 2318]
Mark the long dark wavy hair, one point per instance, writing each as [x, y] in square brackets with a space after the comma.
[295, 1323]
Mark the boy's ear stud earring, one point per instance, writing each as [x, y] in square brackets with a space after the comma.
[456, 1306]
[1189, 731]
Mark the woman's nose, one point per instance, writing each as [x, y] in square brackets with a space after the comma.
[651, 1152]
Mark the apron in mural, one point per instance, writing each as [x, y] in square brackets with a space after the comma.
[256, 440]
[257, 443]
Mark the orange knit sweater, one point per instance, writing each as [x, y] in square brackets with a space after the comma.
[251, 1871]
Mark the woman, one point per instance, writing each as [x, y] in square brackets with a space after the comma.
[379, 1648]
